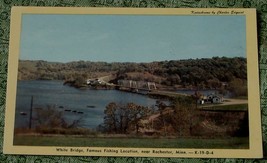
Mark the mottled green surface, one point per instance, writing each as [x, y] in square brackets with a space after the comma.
[219, 143]
[5, 6]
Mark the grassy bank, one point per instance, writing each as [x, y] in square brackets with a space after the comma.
[233, 107]
[220, 143]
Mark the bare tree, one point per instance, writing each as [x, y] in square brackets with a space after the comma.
[120, 118]
[50, 118]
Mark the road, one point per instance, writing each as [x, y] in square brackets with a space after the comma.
[228, 101]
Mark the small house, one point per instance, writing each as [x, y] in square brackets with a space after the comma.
[215, 98]
[94, 81]
[211, 98]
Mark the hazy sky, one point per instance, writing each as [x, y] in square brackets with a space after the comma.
[129, 38]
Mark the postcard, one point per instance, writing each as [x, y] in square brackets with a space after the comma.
[133, 82]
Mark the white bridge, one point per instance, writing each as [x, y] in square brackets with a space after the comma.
[137, 84]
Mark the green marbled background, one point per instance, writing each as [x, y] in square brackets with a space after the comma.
[5, 7]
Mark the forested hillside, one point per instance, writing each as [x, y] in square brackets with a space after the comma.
[204, 73]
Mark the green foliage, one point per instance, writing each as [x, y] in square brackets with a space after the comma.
[139, 142]
[238, 87]
[187, 101]
[51, 121]
[234, 107]
[66, 131]
[203, 73]
[124, 118]
[49, 118]
[183, 118]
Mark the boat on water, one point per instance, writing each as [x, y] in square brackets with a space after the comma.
[90, 106]
[23, 113]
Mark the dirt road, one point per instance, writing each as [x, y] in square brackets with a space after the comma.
[234, 101]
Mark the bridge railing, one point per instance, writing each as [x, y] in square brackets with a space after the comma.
[137, 84]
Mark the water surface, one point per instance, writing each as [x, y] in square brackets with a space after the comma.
[53, 93]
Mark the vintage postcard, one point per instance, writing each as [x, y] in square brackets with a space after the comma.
[133, 82]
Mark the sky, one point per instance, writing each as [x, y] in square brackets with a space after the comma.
[128, 38]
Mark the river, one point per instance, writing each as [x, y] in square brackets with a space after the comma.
[53, 93]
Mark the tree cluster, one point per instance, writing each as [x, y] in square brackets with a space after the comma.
[123, 119]
[205, 73]
[183, 119]
[50, 120]
[178, 120]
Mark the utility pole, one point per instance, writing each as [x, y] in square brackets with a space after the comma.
[30, 122]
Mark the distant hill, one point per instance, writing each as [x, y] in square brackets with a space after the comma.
[204, 73]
